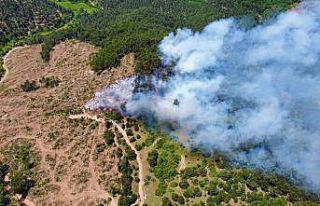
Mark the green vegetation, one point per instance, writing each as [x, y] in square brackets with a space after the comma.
[129, 26]
[108, 137]
[77, 6]
[2, 70]
[46, 82]
[50, 82]
[4, 194]
[20, 168]
[19, 18]
[27, 22]
[207, 181]
[167, 160]
[113, 115]
[29, 86]
[36, 20]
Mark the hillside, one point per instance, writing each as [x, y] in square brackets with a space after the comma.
[18, 18]
[138, 26]
[55, 152]
[63, 165]
[21, 18]
[170, 135]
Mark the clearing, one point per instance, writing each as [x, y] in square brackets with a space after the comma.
[69, 169]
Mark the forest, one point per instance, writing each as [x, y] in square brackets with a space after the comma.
[125, 26]
[26, 22]
[20, 18]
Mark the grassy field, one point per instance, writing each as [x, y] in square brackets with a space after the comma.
[77, 7]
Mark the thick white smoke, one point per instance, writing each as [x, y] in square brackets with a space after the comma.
[254, 94]
[114, 96]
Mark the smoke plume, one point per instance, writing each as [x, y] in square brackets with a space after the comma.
[252, 94]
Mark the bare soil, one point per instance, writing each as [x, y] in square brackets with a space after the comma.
[71, 171]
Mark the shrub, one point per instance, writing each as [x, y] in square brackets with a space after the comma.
[100, 148]
[20, 184]
[162, 189]
[189, 193]
[127, 200]
[29, 86]
[178, 198]
[166, 201]
[153, 158]
[139, 147]
[131, 155]
[150, 139]
[50, 82]
[108, 137]
[184, 184]
[129, 132]
[189, 172]
[173, 184]
[212, 188]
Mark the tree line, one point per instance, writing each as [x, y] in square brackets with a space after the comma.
[125, 26]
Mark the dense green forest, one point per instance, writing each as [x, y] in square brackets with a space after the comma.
[19, 18]
[124, 26]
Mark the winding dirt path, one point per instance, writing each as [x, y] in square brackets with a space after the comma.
[5, 76]
[87, 116]
[140, 165]
[123, 132]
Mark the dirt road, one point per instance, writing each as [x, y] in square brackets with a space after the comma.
[87, 116]
[140, 165]
[4, 64]
[123, 132]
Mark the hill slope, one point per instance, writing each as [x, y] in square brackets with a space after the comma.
[19, 17]
[138, 26]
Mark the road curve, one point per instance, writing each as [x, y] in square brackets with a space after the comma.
[124, 134]
[140, 165]
[4, 63]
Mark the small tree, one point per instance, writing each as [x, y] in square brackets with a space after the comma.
[20, 184]
[50, 82]
[29, 86]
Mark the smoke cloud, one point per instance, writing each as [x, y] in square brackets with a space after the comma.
[252, 94]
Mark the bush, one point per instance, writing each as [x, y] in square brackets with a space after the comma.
[100, 148]
[20, 184]
[178, 198]
[113, 115]
[162, 189]
[153, 158]
[189, 193]
[184, 184]
[189, 172]
[168, 160]
[50, 82]
[149, 140]
[212, 188]
[129, 132]
[29, 86]
[197, 192]
[166, 201]
[139, 147]
[173, 184]
[108, 137]
[131, 155]
[127, 200]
